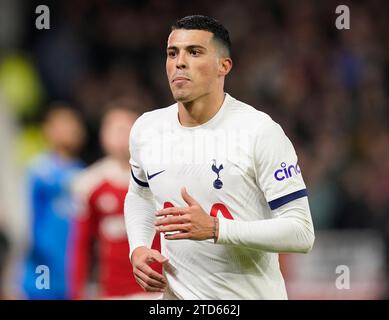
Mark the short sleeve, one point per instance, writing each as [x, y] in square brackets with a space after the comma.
[278, 173]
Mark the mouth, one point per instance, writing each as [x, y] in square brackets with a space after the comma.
[180, 79]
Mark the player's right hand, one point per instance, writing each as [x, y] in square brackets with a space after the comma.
[147, 278]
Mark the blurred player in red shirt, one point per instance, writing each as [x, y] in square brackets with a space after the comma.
[101, 190]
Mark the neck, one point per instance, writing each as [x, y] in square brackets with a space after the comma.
[124, 164]
[121, 161]
[200, 110]
[63, 153]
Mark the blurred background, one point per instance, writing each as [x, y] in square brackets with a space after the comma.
[328, 89]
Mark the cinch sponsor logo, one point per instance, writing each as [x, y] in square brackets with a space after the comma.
[286, 172]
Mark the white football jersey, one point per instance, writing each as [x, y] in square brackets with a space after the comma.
[239, 165]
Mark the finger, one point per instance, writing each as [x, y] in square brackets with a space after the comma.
[157, 256]
[144, 268]
[178, 236]
[171, 211]
[147, 287]
[187, 198]
[149, 281]
[184, 227]
[172, 220]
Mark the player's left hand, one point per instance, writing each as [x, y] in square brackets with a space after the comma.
[191, 222]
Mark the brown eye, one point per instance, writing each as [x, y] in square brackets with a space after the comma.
[194, 53]
[171, 54]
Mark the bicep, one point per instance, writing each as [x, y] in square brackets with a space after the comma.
[277, 171]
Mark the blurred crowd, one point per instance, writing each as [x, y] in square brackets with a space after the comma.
[328, 88]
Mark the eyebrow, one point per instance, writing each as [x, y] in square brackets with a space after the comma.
[193, 46]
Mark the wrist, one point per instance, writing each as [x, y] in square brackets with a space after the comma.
[215, 231]
[137, 251]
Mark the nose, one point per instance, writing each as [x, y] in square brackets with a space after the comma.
[181, 61]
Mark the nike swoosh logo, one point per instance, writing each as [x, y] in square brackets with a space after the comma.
[150, 176]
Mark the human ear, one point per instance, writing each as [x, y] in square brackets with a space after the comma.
[225, 66]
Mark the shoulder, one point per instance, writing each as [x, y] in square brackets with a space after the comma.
[41, 166]
[154, 118]
[252, 118]
[90, 178]
[104, 171]
[39, 160]
[151, 124]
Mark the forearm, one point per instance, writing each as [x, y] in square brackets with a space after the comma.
[139, 213]
[290, 231]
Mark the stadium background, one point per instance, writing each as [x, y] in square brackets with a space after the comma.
[328, 88]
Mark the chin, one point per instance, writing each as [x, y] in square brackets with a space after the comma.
[181, 97]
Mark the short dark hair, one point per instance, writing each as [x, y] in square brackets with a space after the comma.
[199, 22]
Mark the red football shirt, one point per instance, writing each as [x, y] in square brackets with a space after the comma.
[101, 190]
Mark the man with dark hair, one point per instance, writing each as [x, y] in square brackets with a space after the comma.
[198, 22]
[223, 177]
